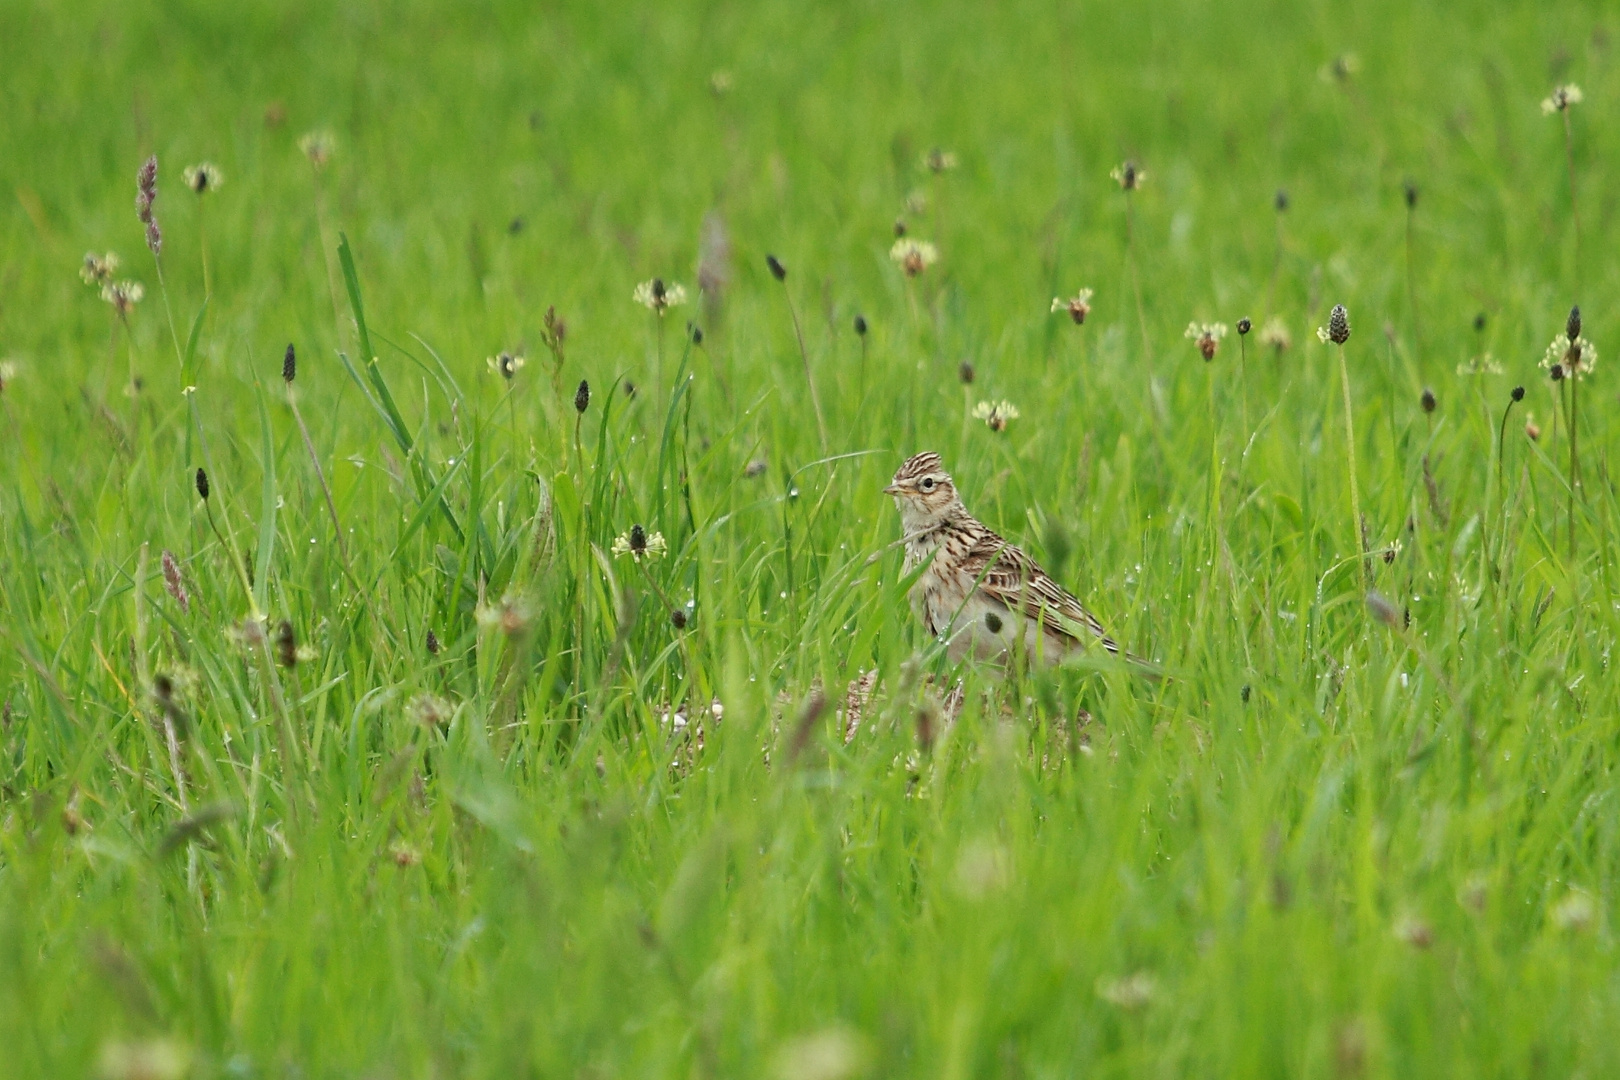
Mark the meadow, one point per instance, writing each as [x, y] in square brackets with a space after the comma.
[430, 648]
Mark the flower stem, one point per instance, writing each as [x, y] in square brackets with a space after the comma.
[1136, 280]
[1574, 457]
[1350, 447]
[1574, 208]
[815, 399]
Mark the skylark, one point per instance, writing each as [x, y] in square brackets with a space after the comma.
[979, 593]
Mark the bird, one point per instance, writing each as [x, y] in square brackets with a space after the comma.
[980, 594]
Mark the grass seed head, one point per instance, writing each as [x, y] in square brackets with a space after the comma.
[173, 582]
[1518, 393]
[146, 189]
[154, 238]
[1572, 325]
[1207, 337]
[1338, 328]
[202, 484]
[1281, 200]
[289, 365]
[778, 271]
[638, 543]
[582, 397]
[432, 643]
[1428, 400]
[1244, 326]
[1409, 189]
[286, 645]
[1077, 307]
[860, 325]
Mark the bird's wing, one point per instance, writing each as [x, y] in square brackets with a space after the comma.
[1010, 577]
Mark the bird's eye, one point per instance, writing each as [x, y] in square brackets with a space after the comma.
[928, 483]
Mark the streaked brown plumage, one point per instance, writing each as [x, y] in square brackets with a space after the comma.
[979, 592]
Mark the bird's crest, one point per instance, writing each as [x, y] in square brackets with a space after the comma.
[919, 465]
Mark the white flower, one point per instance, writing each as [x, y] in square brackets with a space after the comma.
[1077, 307]
[1483, 364]
[202, 177]
[938, 161]
[1275, 334]
[1561, 99]
[1128, 176]
[98, 269]
[1207, 336]
[720, 83]
[123, 295]
[638, 543]
[506, 365]
[996, 414]
[656, 296]
[1130, 993]
[1575, 911]
[1575, 358]
[318, 146]
[913, 256]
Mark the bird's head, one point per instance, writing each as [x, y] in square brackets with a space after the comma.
[923, 492]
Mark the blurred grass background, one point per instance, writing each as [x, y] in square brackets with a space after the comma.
[1325, 847]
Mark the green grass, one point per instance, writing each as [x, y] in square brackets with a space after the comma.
[1324, 847]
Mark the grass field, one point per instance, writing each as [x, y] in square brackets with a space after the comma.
[363, 765]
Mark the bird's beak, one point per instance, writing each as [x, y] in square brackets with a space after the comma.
[892, 489]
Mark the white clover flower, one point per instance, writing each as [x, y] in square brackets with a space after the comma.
[995, 413]
[720, 83]
[1077, 307]
[913, 256]
[638, 543]
[1575, 359]
[1561, 99]
[659, 297]
[202, 177]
